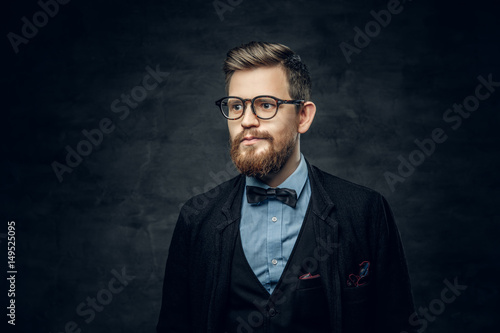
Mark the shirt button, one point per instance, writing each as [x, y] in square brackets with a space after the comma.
[274, 261]
[274, 219]
[272, 312]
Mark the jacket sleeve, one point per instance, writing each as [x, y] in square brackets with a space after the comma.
[394, 302]
[174, 312]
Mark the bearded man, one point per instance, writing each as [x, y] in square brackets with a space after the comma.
[284, 246]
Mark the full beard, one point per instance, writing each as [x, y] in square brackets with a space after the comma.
[269, 161]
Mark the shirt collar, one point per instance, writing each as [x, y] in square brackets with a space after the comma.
[295, 181]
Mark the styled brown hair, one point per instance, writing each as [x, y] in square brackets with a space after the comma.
[262, 54]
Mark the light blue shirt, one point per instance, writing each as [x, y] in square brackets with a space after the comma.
[270, 228]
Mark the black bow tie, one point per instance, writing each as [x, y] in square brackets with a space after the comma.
[257, 194]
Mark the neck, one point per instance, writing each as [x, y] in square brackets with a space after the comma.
[275, 179]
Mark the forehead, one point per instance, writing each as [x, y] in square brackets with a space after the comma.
[249, 83]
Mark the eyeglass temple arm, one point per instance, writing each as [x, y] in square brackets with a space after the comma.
[295, 102]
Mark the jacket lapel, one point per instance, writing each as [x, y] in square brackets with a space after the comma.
[327, 242]
[226, 233]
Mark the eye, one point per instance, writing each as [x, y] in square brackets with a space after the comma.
[236, 107]
[265, 104]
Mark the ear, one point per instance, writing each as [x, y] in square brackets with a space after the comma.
[306, 116]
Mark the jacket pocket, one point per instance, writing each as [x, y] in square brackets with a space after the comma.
[357, 309]
[353, 295]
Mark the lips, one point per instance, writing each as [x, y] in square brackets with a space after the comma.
[250, 140]
[250, 137]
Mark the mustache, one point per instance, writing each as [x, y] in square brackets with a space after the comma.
[253, 132]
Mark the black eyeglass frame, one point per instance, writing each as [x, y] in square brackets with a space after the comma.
[279, 102]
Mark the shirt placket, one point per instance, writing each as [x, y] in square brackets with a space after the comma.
[274, 241]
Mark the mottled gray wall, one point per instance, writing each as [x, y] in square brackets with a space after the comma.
[117, 208]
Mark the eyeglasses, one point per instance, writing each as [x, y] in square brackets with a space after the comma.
[264, 107]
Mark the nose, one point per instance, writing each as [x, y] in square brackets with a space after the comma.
[249, 119]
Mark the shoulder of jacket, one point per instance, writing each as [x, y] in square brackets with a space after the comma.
[337, 186]
[201, 205]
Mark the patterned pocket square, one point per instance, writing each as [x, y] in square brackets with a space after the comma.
[359, 280]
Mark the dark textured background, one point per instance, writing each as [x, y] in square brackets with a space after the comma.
[118, 207]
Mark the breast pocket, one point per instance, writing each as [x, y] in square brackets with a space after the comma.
[353, 295]
[310, 305]
[357, 308]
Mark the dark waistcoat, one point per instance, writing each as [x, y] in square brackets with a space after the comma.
[296, 305]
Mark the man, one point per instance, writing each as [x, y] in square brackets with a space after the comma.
[283, 247]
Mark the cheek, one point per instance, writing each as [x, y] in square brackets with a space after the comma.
[284, 129]
[232, 130]
[289, 122]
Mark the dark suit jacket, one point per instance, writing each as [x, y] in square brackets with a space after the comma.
[352, 224]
